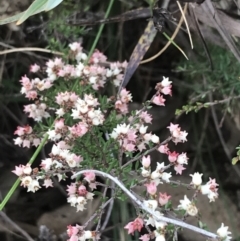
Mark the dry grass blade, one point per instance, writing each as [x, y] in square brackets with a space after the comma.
[169, 41]
[185, 20]
[201, 36]
[28, 49]
[139, 51]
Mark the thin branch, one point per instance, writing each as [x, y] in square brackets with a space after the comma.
[109, 211]
[147, 152]
[15, 226]
[145, 208]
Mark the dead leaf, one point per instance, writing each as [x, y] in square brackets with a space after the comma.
[139, 52]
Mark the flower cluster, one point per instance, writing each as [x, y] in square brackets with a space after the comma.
[77, 233]
[163, 87]
[95, 74]
[24, 173]
[26, 137]
[137, 224]
[210, 189]
[135, 137]
[31, 87]
[69, 92]
[84, 110]
[61, 159]
[78, 196]
[177, 134]
[122, 103]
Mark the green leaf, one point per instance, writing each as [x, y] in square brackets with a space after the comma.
[36, 7]
[52, 4]
[14, 18]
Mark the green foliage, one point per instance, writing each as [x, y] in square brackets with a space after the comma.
[223, 82]
[188, 108]
[224, 76]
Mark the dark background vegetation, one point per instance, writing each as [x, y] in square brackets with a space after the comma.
[214, 132]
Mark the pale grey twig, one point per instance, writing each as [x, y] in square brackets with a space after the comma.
[147, 209]
[15, 226]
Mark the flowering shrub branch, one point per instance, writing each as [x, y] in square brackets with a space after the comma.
[147, 207]
[92, 132]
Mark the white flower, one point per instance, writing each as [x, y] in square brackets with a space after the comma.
[83, 56]
[27, 169]
[46, 164]
[159, 236]
[165, 82]
[120, 129]
[184, 203]
[124, 128]
[165, 176]
[143, 129]
[147, 136]
[109, 73]
[196, 178]
[55, 150]
[151, 204]
[155, 175]
[72, 200]
[155, 139]
[83, 109]
[91, 114]
[212, 196]
[75, 46]
[205, 189]
[53, 136]
[26, 181]
[90, 195]
[182, 159]
[223, 233]
[95, 121]
[33, 186]
[60, 112]
[93, 79]
[157, 181]
[160, 166]
[18, 141]
[145, 173]
[150, 221]
[188, 206]
[81, 201]
[114, 135]
[192, 210]
[71, 163]
[88, 235]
